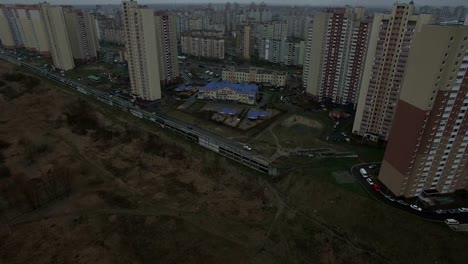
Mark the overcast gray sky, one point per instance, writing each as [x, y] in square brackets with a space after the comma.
[291, 2]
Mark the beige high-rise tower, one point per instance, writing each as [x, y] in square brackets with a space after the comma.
[6, 34]
[427, 148]
[82, 34]
[57, 36]
[387, 53]
[142, 50]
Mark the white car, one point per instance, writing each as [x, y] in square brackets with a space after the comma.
[451, 221]
[463, 209]
[247, 148]
[369, 180]
[415, 207]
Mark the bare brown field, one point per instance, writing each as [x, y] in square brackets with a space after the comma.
[81, 182]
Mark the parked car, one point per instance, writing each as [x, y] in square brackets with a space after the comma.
[440, 211]
[369, 180]
[451, 221]
[247, 148]
[363, 172]
[415, 207]
[402, 202]
[389, 197]
[453, 211]
[463, 209]
[376, 187]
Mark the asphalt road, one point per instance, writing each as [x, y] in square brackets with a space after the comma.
[426, 213]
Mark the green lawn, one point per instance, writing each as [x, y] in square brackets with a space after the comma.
[352, 215]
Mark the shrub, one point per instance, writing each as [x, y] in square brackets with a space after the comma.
[81, 118]
[4, 171]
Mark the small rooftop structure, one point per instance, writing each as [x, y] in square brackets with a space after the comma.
[255, 114]
[243, 88]
[227, 111]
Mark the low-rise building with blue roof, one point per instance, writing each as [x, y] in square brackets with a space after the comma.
[239, 92]
[255, 114]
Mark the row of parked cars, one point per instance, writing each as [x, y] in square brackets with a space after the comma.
[376, 187]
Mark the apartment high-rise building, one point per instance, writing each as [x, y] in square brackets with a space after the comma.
[14, 24]
[142, 50]
[57, 36]
[81, 33]
[6, 34]
[22, 26]
[387, 53]
[337, 46]
[427, 147]
[166, 26]
[244, 40]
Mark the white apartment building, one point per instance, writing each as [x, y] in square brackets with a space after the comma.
[57, 36]
[142, 50]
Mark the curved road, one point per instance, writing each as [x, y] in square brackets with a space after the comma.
[427, 214]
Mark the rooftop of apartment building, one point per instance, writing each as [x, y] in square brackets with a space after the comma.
[237, 87]
[258, 70]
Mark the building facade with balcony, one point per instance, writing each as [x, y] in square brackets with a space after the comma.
[336, 49]
[387, 54]
[427, 147]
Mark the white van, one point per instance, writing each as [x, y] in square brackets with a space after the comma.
[451, 221]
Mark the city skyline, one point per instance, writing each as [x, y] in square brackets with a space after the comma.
[370, 3]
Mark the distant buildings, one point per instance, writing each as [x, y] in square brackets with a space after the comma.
[257, 75]
[142, 50]
[65, 33]
[387, 54]
[245, 41]
[207, 44]
[427, 147]
[112, 35]
[110, 29]
[239, 92]
[22, 26]
[335, 56]
[286, 51]
[297, 26]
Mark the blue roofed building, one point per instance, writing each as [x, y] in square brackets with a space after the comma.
[255, 114]
[239, 92]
